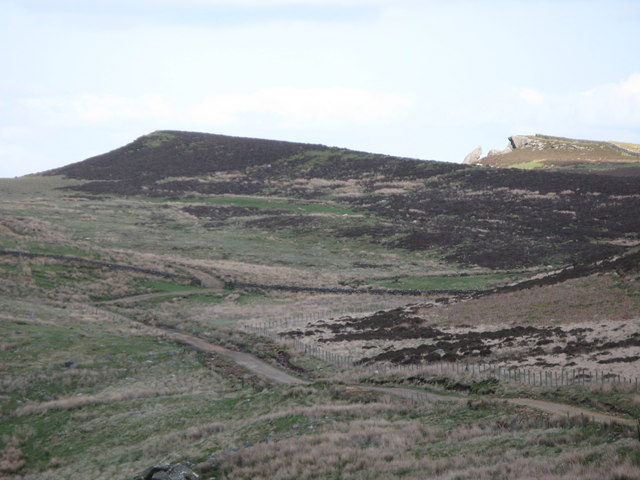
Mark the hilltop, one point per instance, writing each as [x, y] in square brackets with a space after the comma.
[560, 153]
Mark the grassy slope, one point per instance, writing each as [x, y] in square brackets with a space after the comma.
[99, 398]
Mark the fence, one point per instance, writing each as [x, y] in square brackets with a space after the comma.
[478, 370]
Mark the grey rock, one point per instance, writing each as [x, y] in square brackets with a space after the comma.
[519, 141]
[494, 152]
[179, 471]
[473, 156]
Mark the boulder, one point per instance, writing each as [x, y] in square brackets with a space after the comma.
[473, 157]
[519, 141]
[179, 471]
[495, 151]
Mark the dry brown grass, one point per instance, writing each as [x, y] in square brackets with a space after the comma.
[183, 440]
[12, 457]
[597, 298]
[174, 385]
[27, 226]
[11, 460]
[380, 448]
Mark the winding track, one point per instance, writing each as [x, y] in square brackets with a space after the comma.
[250, 362]
[259, 367]
[149, 296]
[276, 375]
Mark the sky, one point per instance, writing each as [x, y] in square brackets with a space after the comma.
[428, 79]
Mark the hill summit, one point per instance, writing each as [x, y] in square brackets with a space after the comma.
[561, 153]
[167, 153]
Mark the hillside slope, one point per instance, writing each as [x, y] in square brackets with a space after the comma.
[466, 216]
[132, 316]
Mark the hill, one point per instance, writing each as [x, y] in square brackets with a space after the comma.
[249, 308]
[505, 219]
[560, 153]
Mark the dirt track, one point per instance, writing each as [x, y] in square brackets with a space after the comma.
[149, 296]
[276, 375]
[257, 366]
[569, 410]
[250, 362]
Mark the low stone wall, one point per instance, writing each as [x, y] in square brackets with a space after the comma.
[96, 263]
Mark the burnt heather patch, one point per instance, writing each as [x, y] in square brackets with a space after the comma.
[468, 216]
[399, 337]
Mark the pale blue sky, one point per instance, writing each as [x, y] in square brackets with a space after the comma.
[424, 79]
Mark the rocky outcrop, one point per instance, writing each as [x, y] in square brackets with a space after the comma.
[473, 157]
[178, 471]
[504, 151]
[519, 141]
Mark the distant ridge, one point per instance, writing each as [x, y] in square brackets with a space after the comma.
[562, 153]
[595, 142]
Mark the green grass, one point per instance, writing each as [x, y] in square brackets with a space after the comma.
[205, 298]
[634, 147]
[157, 139]
[528, 165]
[248, 298]
[61, 249]
[166, 286]
[51, 276]
[72, 358]
[7, 243]
[272, 204]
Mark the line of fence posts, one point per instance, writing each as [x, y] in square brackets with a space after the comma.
[576, 376]
[534, 377]
[564, 377]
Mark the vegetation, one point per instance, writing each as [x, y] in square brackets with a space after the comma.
[105, 370]
[634, 147]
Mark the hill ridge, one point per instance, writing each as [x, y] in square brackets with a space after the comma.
[542, 151]
[595, 142]
[182, 153]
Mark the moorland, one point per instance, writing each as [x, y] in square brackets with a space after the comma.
[268, 309]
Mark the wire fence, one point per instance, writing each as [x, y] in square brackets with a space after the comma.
[544, 377]
[501, 371]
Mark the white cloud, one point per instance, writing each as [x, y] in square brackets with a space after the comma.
[281, 3]
[289, 104]
[308, 105]
[605, 109]
[531, 96]
[616, 104]
[81, 108]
